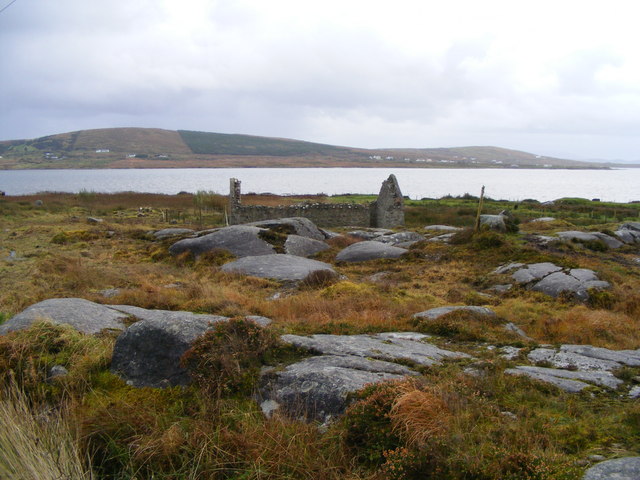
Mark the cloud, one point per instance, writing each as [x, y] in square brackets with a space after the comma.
[538, 77]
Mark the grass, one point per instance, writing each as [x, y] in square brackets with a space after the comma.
[446, 424]
[37, 443]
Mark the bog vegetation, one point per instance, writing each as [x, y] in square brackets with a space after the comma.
[445, 424]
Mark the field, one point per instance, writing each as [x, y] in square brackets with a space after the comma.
[445, 424]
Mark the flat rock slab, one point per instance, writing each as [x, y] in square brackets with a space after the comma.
[240, 240]
[567, 385]
[171, 232]
[602, 379]
[629, 358]
[400, 237]
[438, 312]
[617, 469]
[553, 280]
[559, 282]
[165, 315]
[300, 225]
[369, 250]
[387, 347]
[83, 315]
[317, 388]
[577, 236]
[542, 220]
[303, 246]
[442, 228]
[627, 235]
[570, 360]
[370, 233]
[148, 353]
[535, 271]
[286, 268]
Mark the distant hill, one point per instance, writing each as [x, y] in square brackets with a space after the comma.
[157, 148]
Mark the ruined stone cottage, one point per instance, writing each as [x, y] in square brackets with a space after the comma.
[387, 211]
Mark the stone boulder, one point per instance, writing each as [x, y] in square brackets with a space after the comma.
[286, 268]
[617, 469]
[438, 312]
[303, 246]
[370, 233]
[391, 347]
[240, 240]
[585, 357]
[171, 232]
[299, 225]
[443, 228]
[148, 353]
[493, 222]
[573, 368]
[629, 232]
[83, 315]
[400, 237]
[567, 380]
[554, 280]
[317, 388]
[368, 250]
[577, 282]
[576, 236]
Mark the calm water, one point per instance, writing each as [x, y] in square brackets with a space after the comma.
[512, 184]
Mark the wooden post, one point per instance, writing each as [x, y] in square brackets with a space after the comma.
[477, 227]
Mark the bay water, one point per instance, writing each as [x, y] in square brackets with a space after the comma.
[618, 185]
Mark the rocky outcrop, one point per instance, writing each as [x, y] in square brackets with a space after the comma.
[240, 240]
[318, 388]
[616, 469]
[171, 232]
[399, 238]
[574, 367]
[300, 226]
[303, 246]
[567, 380]
[554, 280]
[580, 237]
[443, 228]
[369, 250]
[286, 268]
[83, 315]
[438, 312]
[493, 222]
[629, 232]
[148, 353]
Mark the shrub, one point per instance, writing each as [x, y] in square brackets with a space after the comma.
[369, 431]
[227, 359]
[318, 279]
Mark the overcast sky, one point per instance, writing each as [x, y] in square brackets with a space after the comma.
[558, 78]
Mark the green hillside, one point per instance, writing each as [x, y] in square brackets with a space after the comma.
[235, 144]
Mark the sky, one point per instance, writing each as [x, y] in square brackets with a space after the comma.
[558, 78]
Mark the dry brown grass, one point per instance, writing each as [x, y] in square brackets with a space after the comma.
[600, 328]
[36, 443]
[420, 415]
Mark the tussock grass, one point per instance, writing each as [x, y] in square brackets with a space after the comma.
[37, 443]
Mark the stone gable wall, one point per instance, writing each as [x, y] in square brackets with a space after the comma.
[386, 212]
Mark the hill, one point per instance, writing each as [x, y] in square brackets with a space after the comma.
[158, 148]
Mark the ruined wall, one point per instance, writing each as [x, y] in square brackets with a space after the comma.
[386, 212]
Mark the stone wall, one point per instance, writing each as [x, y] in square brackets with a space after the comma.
[386, 212]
